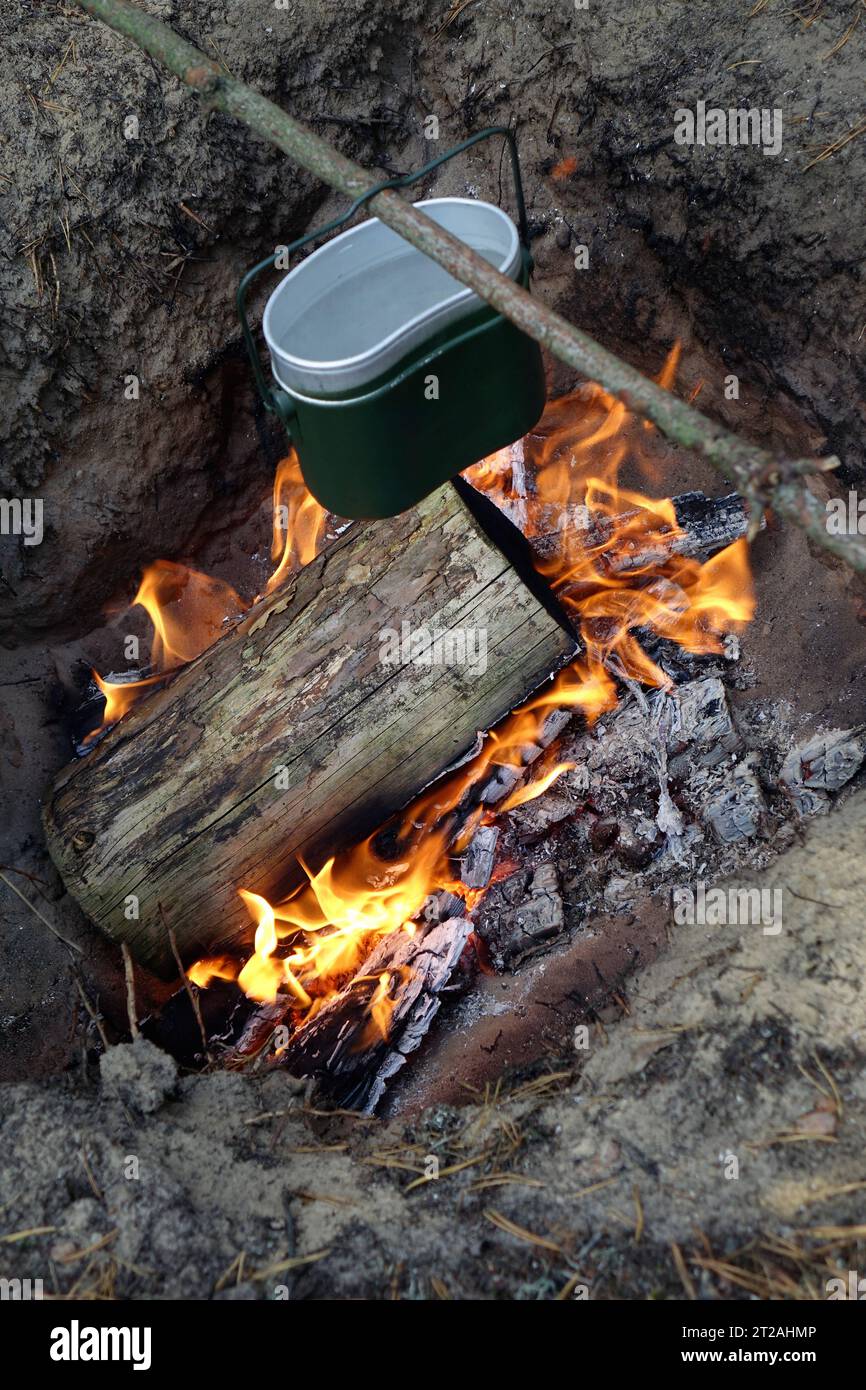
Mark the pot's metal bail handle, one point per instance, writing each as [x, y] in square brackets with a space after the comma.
[279, 402]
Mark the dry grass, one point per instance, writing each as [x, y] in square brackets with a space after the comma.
[833, 148]
[14, 1236]
[511, 1228]
[97, 1283]
[775, 1268]
[281, 1266]
[840, 43]
[492, 1180]
[456, 9]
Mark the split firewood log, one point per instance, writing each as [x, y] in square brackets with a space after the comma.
[325, 709]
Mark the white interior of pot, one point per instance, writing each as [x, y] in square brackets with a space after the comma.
[361, 302]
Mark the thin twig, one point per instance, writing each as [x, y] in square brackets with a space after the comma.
[94, 1014]
[71, 945]
[837, 145]
[682, 1271]
[130, 990]
[187, 983]
[10, 869]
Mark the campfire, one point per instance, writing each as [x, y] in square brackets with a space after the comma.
[351, 964]
[433, 723]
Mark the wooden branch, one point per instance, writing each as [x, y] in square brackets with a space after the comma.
[295, 734]
[70, 945]
[762, 479]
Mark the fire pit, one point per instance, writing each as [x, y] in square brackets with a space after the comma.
[623, 778]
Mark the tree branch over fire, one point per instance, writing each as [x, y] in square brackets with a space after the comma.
[761, 478]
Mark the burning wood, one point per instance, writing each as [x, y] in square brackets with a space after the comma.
[294, 733]
[702, 525]
[363, 1035]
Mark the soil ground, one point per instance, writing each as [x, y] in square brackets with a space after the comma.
[703, 1139]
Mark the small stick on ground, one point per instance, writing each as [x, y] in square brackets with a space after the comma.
[10, 869]
[94, 1013]
[70, 945]
[187, 983]
[837, 145]
[130, 990]
[682, 1271]
[94, 1185]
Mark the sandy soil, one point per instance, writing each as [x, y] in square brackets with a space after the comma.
[706, 1141]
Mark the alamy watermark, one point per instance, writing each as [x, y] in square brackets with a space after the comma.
[77, 1343]
[853, 1288]
[424, 646]
[20, 1290]
[22, 516]
[735, 126]
[846, 516]
[720, 907]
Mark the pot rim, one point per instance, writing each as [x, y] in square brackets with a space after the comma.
[360, 368]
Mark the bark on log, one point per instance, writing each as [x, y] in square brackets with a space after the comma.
[183, 801]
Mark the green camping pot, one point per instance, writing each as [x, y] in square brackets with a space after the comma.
[391, 376]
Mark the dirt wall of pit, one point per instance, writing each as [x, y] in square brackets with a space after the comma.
[129, 214]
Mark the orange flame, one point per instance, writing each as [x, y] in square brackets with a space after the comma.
[615, 564]
[617, 573]
[535, 789]
[332, 923]
[381, 1006]
[215, 968]
[120, 696]
[298, 524]
[188, 610]
[354, 901]
[255, 978]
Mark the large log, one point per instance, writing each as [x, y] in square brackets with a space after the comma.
[291, 737]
